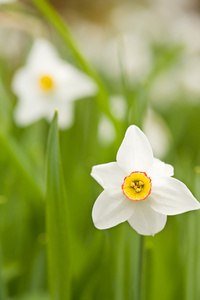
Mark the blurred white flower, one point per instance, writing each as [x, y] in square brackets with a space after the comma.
[185, 31]
[7, 1]
[118, 106]
[129, 46]
[135, 18]
[157, 133]
[88, 33]
[138, 188]
[46, 83]
[106, 131]
[189, 76]
[178, 21]
[165, 88]
[132, 52]
[16, 40]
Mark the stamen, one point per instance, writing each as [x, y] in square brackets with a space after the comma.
[137, 186]
[132, 184]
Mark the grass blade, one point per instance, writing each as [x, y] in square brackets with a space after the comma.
[20, 161]
[57, 220]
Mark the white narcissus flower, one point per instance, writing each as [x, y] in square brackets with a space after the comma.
[138, 188]
[46, 83]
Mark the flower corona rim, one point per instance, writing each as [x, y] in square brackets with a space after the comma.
[137, 186]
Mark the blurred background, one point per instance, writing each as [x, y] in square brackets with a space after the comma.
[147, 56]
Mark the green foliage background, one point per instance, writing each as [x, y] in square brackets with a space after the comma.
[49, 247]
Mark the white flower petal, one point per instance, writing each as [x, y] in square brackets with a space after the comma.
[145, 220]
[170, 196]
[135, 153]
[108, 175]
[23, 83]
[111, 208]
[26, 114]
[42, 56]
[79, 85]
[160, 169]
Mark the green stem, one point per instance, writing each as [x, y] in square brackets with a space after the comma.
[192, 261]
[120, 265]
[139, 269]
[3, 294]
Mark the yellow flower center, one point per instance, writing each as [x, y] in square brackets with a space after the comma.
[137, 186]
[46, 83]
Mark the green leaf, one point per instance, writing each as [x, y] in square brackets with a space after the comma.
[57, 220]
[3, 295]
[19, 160]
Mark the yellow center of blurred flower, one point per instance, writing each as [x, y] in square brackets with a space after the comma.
[46, 83]
[137, 186]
